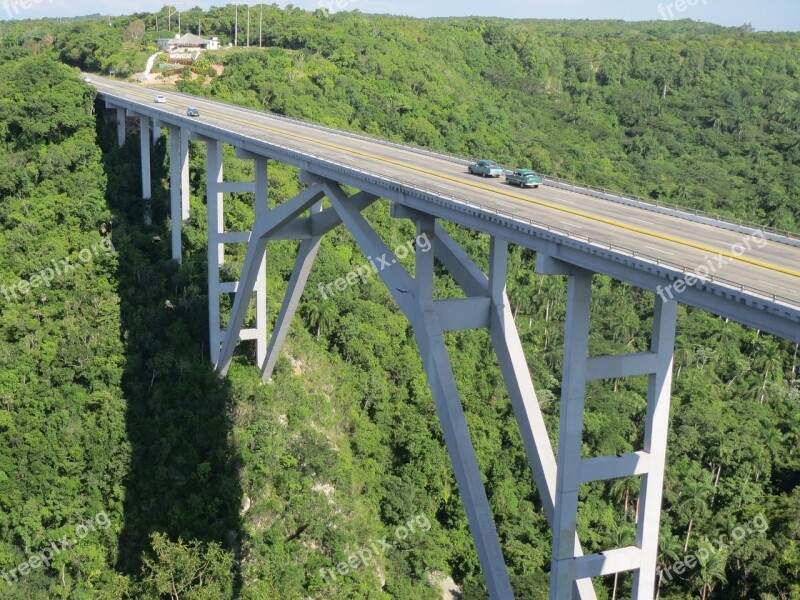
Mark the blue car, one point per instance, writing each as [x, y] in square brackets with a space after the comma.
[486, 168]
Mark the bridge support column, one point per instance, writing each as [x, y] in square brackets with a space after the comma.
[147, 193]
[120, 127]
[514, 367]
[178, 185]
[655, 444]
[214, 174]
[573, 470]
[282, 222]
[415, 299]
[254, 279]
[156, 131]
[261, 214]
[184, 179]
[306, 254]
[570, 434]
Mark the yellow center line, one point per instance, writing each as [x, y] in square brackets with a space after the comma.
[528, 199]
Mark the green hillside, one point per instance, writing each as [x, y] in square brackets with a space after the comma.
[199, 487]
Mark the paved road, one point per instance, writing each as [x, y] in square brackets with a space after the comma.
[772, 268]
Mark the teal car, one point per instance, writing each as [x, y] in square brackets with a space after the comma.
[524, 178]
[486, 168]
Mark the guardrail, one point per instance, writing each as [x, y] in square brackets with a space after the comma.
[350, 134]
[715, 219]
[660, 262]
[705, 217]
[698, 216]
[679, 271]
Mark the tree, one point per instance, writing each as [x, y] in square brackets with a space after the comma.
[518, 297]
[622, 536]
[711, 571]
[695, 494]
[134, 31]
[669, 551]
[624, 488]
[321, 315]
[770, 360]
[187, 571]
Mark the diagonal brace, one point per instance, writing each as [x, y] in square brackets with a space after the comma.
[516, 373]
[396, 278]
[321, 223]
[256, 249]
[416, 301]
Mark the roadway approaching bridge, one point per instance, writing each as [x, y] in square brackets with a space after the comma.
[738, 271]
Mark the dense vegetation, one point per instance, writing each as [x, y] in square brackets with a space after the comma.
[229, 488]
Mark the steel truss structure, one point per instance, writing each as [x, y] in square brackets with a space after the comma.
[485, 306]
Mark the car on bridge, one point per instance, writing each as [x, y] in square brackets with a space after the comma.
[524, 178]
[192, 112]
[486, 168]
[87, 79]
[160, 99]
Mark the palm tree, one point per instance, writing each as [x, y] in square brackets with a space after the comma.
[518, 297]
[771, 361]
[681, 193]
[773, 443]
[551, 293]
[724, 452]
[695, 503]
[728, 335]
[320, 315]
[684, 356]
[624, 325]
[669, 547]
[712, 570]
[623, 489]
[621, 537]
[706, 355]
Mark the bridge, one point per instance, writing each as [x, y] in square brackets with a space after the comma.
[736, 270]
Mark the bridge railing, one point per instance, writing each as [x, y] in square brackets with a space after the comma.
[611, 195]
[681, 271]
[319, 127]
[647, 204]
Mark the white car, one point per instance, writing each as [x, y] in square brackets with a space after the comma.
[160, 99]
[87, 80]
